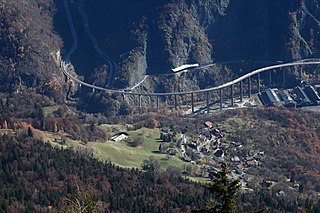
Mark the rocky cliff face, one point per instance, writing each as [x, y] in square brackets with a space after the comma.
[153, 38]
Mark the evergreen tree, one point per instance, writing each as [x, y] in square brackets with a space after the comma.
[309, 206]
[224, 191]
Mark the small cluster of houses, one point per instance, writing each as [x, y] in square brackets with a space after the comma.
[296, 97]
[208, 148]
[240, 164]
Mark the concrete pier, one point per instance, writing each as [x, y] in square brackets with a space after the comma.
[208, 101]
[220, 94]
[258, 81]
[139, 101]
[269, 78]
[241, 91]
[249, 87]
[175, 102]
[232, 98]
[157, 97]
[192, 103]
[284, 78]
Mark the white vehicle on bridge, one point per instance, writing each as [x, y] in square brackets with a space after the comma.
[184, 67]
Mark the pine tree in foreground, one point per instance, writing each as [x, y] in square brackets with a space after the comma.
[224, 192]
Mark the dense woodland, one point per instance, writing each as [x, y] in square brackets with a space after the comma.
[34, 175]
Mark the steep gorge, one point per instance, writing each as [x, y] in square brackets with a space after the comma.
[151, 38]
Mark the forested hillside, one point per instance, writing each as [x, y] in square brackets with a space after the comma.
[28, 44]
[35, 177]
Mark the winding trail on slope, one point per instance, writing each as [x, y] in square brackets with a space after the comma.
[111, 63]
[73, 31]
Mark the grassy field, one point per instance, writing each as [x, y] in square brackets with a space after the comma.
[122, 154]
[201, 180]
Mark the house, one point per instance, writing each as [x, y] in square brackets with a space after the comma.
[216, 132]
[296, 184]
[312, 94]
[219, 153]
[249, 158]
[205, 150]
[269, 97]
[208, 124]
[266, 183]
[172, 151]
[286, 98]
[224, 146]
[237, 144]
[192, 145]
[163, 148]
[281, 194]
[252, 162]
[235, 159]
[120, 136]
[186, 158]
[196, 155]
[300, 97]
[223, 129]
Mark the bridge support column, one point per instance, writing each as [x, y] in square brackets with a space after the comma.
[241, 91]
[284, 78]
[259, 89]
[192, 103]
[208, 102]
[220, 94]
[232, 98]
[157, 101]
[139, 100]
[93, 90]
[175, 102]
[79, 87]
[270, 80]
[249, 87]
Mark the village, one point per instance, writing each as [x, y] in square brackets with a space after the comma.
[209, 147]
